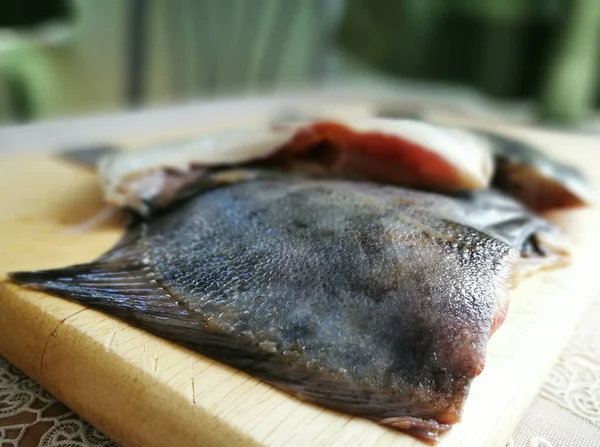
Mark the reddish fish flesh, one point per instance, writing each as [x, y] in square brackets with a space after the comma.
[400, 152]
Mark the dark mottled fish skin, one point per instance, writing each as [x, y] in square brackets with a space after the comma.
[374, 301]
[540, 181]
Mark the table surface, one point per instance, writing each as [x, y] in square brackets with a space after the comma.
[566, 411]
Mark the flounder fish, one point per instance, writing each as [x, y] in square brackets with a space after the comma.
[407, 153]
[377, 301]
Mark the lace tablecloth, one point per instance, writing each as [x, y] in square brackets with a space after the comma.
[566, 413]
[30, 417]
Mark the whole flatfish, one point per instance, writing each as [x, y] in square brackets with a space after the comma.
[377, 301]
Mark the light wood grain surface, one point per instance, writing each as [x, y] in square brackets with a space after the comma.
[143, 391]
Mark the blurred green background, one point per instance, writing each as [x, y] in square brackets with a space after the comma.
[73, 57]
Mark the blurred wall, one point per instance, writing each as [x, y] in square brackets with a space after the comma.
[191, 49]
[75, 67]
[543, 50]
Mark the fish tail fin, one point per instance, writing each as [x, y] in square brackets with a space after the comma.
[120, 276]
[116, 286]
[120, 286]
[128, 290]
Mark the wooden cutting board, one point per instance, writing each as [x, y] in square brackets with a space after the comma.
[143, 391]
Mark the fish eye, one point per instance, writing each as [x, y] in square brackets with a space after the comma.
[532, 247]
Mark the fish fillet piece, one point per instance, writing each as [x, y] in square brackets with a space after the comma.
[370, 300]
[540, 181]
[404, 152]
[401, 152]
[155, 175]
